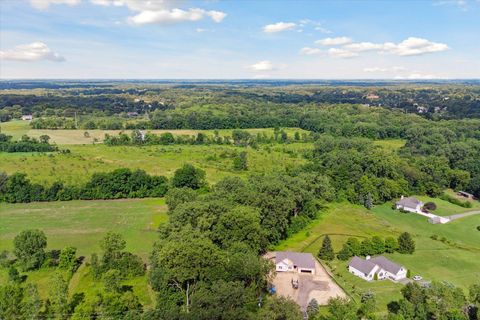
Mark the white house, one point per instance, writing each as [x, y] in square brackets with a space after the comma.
[300, 262]
[380, 266]
[410, 204]
[27, 117]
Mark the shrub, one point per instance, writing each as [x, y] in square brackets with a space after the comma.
[430, 206]
[434, 237]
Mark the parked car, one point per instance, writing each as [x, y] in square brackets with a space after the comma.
[417, 278]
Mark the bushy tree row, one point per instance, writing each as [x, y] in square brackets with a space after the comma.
[120, 183]
[26, 144]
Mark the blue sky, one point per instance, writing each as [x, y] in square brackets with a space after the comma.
[160, 39]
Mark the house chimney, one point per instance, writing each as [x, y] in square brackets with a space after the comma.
[367, 258]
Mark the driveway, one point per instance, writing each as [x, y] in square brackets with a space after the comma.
[319, 286]
[462, 215]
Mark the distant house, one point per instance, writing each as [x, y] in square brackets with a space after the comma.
[27, 117]
[372, 96]
[132, 114]
[300, 262]
[379, 266]
[466, 195]
[410, 204]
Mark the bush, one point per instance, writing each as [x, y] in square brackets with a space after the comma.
[434, 237]
[453, 200]
[430, 206]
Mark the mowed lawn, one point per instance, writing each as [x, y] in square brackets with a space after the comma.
[456, 261]
[82, 224]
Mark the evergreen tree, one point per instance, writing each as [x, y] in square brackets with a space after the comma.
[406, 245]
[391, 244]
[312, 308]
[369, 201]
[326, 251]
[345, 253]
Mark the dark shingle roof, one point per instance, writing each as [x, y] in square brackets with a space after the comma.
[299, 259]
[410, 202]
[386, 264]
[365, 266]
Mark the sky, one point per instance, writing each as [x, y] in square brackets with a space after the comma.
[239, 39]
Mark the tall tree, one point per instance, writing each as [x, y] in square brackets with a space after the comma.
[406, 245]
[326, 251]
[29, 247]
[31, 308]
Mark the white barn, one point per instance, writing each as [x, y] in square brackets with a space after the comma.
[300, 262]
[410, 204]
[380, 266]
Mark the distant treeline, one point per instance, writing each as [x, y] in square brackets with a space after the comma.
[238, 138]
[26, 144]
[120, 183]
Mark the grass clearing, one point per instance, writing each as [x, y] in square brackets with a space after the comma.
[82, 224]
[84, 160]
[392, 145]
[455, 259]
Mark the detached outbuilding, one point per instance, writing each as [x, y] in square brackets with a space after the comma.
[300, 262]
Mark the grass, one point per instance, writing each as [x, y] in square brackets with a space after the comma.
[17, 128]
[455, 259]
[82, 224]
[391, 145]
[77, 166]
[445, 208]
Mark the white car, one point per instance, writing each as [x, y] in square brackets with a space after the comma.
[417, 278]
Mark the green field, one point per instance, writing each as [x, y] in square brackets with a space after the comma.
[17, 128]
[456, 261]
[83, 223]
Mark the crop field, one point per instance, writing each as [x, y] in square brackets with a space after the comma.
[453, 257]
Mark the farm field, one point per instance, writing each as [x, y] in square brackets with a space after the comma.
[17, 128]
[455, 259]
[82, 223]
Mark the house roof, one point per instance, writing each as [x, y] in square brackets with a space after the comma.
[299, 259]
[386, 264]
[365, 266]
[410, 202]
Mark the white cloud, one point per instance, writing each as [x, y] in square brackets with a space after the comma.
[363, 46]
[216, 16]
[341, 53]
[334, 41]
[310, 51]
[44, 4]
[375, 69]
[414, 46]
[418, 76]
[162, 11]
[279, 27]
[264, 65]
[34, 51]
[200, 30]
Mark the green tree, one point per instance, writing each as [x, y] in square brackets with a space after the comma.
[188, 177]
[280, 308]
[378, 245]
[29, 247]
[312, 308]
[68, 259]
[112, 280]
[345, 253]
[11, 296]
[355, 246]
[406, 245]
[367, 306]
[367, 247]
[341, 309]
[326, 251]
[59, 307]
[14, 275]
[112, 245]
[32, 306]
[474, 294]
[240, 161]
[391, 244]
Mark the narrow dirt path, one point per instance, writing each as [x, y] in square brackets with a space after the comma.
[462, 215]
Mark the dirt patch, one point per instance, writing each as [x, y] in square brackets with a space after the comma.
[319, 286]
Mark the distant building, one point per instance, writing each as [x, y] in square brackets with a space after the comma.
[300, 262]
[372, 96]
[132, 114]
[410, 204]
[466, 195]
[27, 117]
[379, 266]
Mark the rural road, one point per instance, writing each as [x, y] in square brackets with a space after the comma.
[462, 215]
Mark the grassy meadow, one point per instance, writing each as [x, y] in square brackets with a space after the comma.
[455, 259]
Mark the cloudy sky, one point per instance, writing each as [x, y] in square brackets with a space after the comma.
[160, 39]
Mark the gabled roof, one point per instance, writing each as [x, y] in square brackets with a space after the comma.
[365, 266]
[299, 259]
[410, 202]
[386, 264]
